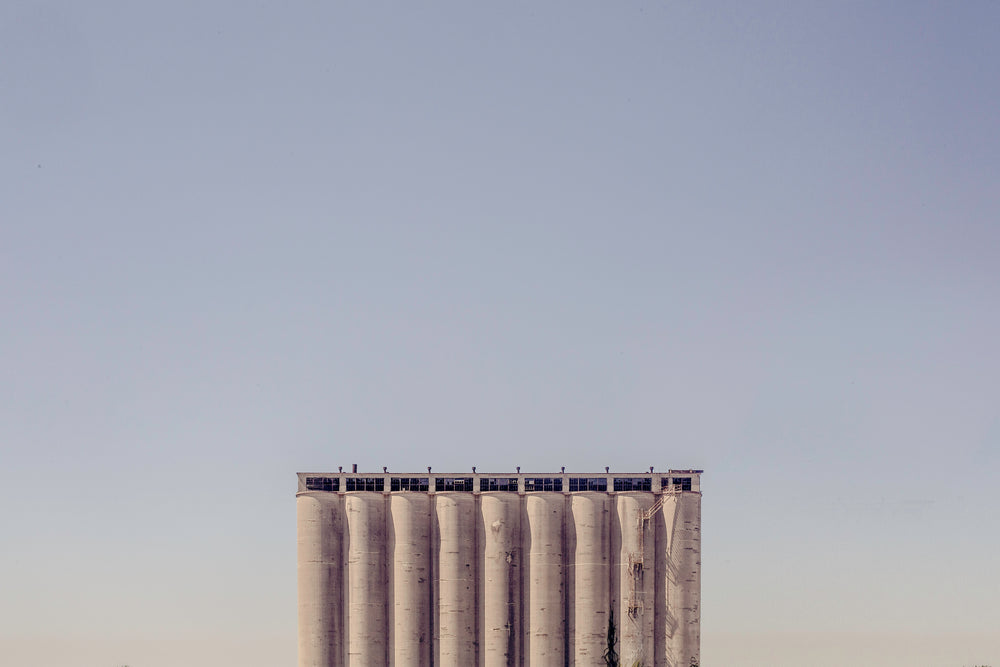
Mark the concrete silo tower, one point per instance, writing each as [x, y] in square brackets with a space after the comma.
[498, 569]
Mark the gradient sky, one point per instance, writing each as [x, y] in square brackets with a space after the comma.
[244, 239]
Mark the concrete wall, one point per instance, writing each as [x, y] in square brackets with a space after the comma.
[588, 577]
[497, 579]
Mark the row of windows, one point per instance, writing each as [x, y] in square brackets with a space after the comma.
[679, 483]
[496, 484]
[588, 484]
[365, 483]
[453, 484]
[323, 483]
[633, 483]
[543, 484]
[408, 484]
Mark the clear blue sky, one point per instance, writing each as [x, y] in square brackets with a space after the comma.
[242, 239]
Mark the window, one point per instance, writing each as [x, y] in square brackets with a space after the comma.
[365, 483]
[588, 484]
[543, 484]
[676, 483]
[323, 483]
[408, 484]
[453, 484]
[633, 483]
[498, 484]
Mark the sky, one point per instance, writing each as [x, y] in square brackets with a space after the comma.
[244, 239]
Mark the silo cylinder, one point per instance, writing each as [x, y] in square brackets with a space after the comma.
[678, 585]
[665, 618]
[456, 579]
[545, 634]
[366, 577]
[635, 613]
[320, 579]
[685, 558]
[589, 546]
[501, 556]
[409, 579]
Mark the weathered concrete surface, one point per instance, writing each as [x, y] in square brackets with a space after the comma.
[455, 513]
[543, 570]
[500, 583]
[366, 579]
[409, 583]
[678, 581]
[636, 562]
[498, 579]
[588, 577]
[320, 577]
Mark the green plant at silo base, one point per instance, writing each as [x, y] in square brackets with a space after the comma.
[610, 654]
[611, 657]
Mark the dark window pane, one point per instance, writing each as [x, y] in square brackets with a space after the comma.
[497, 484]
[581, 484]
[322, 484]
[453, 484]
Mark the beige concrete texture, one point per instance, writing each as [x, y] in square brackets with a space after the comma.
[499, 590]
[320, 579]
[588, 577]
[498, 578]
[409, 584]
[455, 577]
[365, 581]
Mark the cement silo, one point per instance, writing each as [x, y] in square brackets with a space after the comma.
[588, 577]
[366, 580]
[636, 559]
[321, 578]
[500, 615]
[455, 514]
[683, 581]
[409, 579]
[508, 570]
[543, 571]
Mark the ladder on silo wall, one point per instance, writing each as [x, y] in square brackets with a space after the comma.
[636, 559]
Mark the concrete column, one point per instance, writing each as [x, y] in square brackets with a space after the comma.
[456, 590]
[665, 620]
[685, 558]
[366, 577]
[545, 634]
[635, 614]
[320, 579]
[409, 579]
[678, 586]
[500, 546]
[588, 546]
